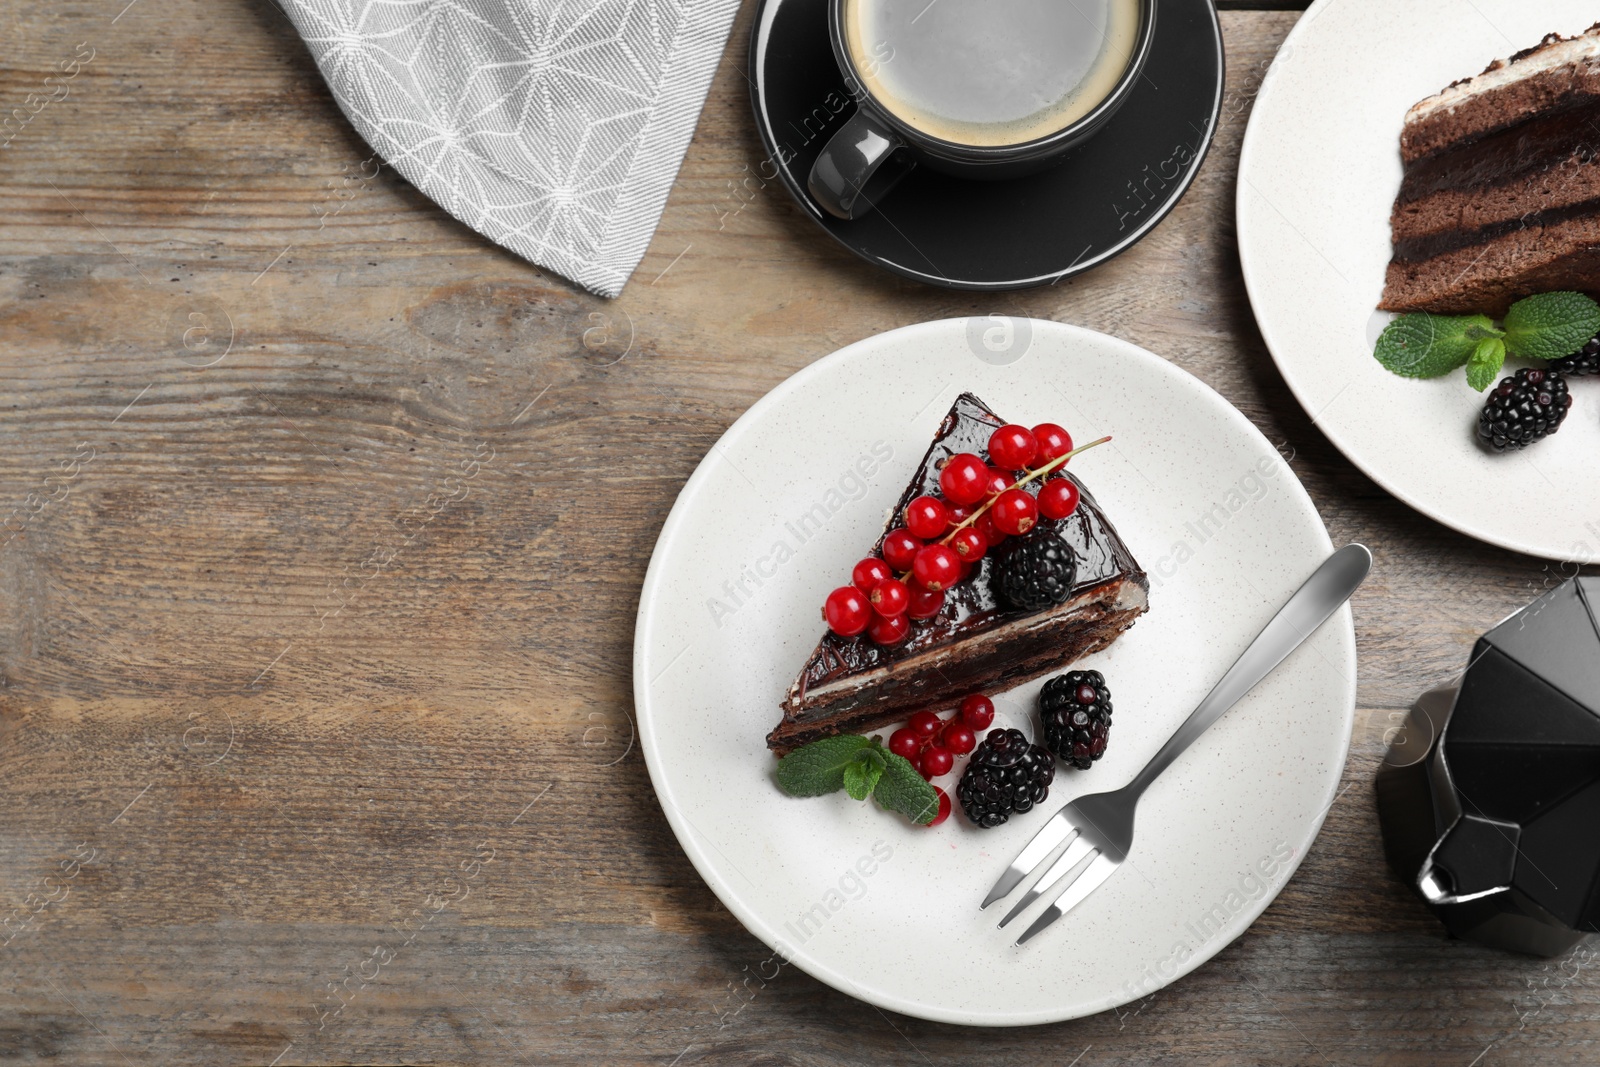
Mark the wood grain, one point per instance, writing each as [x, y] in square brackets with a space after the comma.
[327, 522]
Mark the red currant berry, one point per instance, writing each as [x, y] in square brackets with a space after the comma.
[962, 478]
[890, 597]
[900, 548]
[944, 807]
[889, 629]
[905, 742]
[869, 572]
[936, 761]
[1013, 447]
[969, 544]
[925, 603]
[1054, 442]
[959, 513]
[992, 534]
[847, 611]
[977, 711]
[1015, 512]
[958, 737]
[999, 481]
[926, 725]
[936, 568]
[1058, 498]
[927, 517]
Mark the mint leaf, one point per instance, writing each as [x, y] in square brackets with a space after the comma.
[902, 789]
[862, 767]
[1485, 364]
[819, 767]
[877, 755]
[861, 776]
[1423, 345]
[1551, 325]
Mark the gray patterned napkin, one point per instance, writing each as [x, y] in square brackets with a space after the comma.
[553, 128]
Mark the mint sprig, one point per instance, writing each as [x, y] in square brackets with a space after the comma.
[862, 767]
[1422, 345]
[1487, 359]
[818, 768]
[902, 789]
[1543, 327]
[861, 775]
[1551, 325]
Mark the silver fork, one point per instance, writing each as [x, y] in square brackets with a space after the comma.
[1098, 829]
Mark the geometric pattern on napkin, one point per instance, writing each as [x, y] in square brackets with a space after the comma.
[553, 128]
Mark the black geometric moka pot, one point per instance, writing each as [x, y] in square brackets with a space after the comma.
[1490, 798]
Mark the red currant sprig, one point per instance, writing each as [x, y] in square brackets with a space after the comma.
[982, 506]
[1043, 470]
[1009, 510]
[932, 744]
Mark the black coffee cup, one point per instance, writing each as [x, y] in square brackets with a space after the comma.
[957, 102]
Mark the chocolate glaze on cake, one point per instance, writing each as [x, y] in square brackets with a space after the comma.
[851, 685]
[1501, 194]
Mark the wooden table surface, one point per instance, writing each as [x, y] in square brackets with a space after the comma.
[327, 523]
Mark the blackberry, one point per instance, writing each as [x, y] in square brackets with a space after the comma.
[1036, 571]
[1075, 713]
[1006, 775]
[1522, 409]
[1585, 361]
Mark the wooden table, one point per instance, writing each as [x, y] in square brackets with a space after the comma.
[327, 522]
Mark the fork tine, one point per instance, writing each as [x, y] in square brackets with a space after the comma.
[1076, 853]
[1091, 879]
[1046, 841]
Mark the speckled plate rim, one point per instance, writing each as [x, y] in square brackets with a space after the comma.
[1371, 451]
[708, 861]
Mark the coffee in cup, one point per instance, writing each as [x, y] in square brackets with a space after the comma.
[975, 88]
[990, 72]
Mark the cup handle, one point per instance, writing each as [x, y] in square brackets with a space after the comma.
[858, 166]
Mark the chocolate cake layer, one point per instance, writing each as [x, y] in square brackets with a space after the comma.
[1500, 182]
[1541, 143]
[851, 684]
[940, 676]
[1550, 76]
[1454, 219]
[1439, 242]
[1489, 278]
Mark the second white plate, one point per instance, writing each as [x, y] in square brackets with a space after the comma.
[776, 515]
[1318, 175]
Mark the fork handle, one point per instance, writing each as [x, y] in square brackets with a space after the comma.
[1322, 594]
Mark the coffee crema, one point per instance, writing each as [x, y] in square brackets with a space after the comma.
[990, 72]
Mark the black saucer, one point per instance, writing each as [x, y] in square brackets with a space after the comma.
[1102, 198]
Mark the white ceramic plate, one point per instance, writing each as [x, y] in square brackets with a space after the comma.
[1317, 177]
[776, 516]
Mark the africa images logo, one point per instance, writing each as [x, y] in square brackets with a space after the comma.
[800, 529]
[1251, 887]
[999, 340]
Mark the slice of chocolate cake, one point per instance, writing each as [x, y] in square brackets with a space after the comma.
[975, 643]
[1501, 194]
